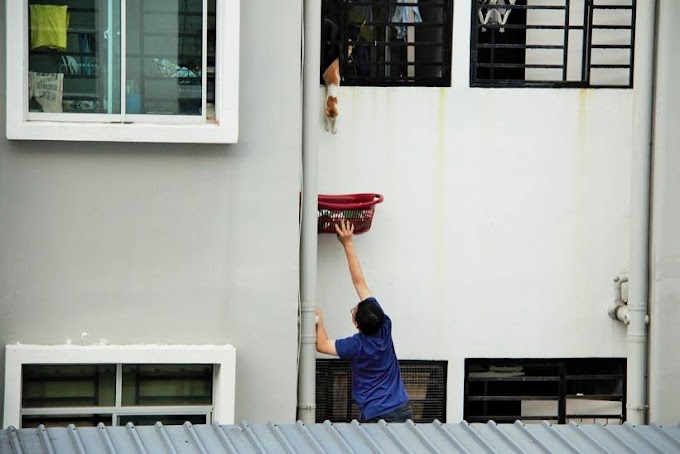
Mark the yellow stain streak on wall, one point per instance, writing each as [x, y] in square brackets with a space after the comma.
[583, 130]
[440, 183]
[580, 189]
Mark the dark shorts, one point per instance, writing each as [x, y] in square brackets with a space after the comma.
[401, 414]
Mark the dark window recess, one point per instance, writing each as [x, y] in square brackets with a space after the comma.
[76, 390]
[67, 385]
[557, 43]
[167, 384]
[583, 390]
[425, 383]
[166, 420]
[388, 43]
[64, 420]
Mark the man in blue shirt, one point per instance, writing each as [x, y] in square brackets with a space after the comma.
[377, 385]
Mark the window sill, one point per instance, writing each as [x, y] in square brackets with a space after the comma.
[225, 132]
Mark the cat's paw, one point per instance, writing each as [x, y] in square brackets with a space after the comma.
[334, 130]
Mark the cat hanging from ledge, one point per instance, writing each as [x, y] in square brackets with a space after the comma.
[331, 77]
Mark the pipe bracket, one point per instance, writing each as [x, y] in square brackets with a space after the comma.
[637, 407]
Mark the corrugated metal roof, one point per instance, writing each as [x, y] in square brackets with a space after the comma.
[344, 438]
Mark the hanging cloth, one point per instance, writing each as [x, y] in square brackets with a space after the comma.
[47, 89]
[358, 17]
[495, 13]
[401, 15]
[49, 24]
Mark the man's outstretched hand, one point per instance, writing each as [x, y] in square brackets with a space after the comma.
[345, 231]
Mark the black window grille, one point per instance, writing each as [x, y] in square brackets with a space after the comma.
[425, 383]
[387, 42]
[552, 43]
[583, 390]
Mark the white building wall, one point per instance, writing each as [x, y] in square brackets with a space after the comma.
[168, 243]
[506, 216]
[502, 227]
[665, 252]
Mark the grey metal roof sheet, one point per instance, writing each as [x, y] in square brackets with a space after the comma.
[344, 438]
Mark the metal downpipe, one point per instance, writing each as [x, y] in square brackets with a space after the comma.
[641, 179]
[311, 37]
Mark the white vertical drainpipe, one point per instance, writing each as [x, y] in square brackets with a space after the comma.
[638, 286]
[311, 36]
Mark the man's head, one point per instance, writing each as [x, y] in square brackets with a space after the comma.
[368, 317]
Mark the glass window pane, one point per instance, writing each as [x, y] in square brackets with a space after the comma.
[166, 420]
[68, 385]
[64, 420]
[167, 384]
[74, 56]
[164, 63]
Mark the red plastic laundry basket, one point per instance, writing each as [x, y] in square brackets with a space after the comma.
[356, 208]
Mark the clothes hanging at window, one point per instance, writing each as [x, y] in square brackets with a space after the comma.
[47, 89]
[49, 24]
[361, 36]
[402, 15]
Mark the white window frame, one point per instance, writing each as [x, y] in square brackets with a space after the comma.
[222, 357]
[22, 126]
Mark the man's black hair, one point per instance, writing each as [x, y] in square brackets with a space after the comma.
[369, 316]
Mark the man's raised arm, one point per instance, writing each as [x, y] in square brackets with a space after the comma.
[345, 231]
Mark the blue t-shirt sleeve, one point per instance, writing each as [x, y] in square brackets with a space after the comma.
[347, 348]
[371, 298]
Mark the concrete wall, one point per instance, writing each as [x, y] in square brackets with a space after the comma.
[504, 221]
[143, 243]
[506, 216]
[665, 252]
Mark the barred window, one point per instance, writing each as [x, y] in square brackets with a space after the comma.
[425, 383]
[388, 42]
[581, 390]
[552, 43]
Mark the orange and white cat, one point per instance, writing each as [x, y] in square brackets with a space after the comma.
[331, 77]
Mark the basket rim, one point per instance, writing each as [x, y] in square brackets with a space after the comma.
[349, 201]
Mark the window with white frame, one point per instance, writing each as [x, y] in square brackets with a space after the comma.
[115, 394]
[115, 385]
[142, 70]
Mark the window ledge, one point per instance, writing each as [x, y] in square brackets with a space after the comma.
[224, 132]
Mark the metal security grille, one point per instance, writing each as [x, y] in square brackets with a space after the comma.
[425, 383]
[552, 43]
[584, 390]
[388, 42]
